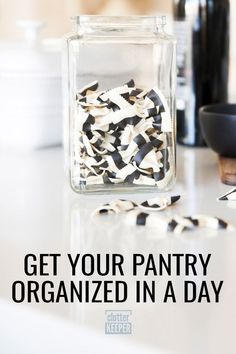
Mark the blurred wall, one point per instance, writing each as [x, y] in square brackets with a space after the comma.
[125, 6]
[56, 14]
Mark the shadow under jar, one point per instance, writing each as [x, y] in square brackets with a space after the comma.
[121, 74]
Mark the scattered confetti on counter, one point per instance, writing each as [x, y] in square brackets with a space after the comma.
[144, 214]
[121, 205]
[158, 222]
[158, 203]
[177, 224]
[116, 206]
[210, 222]
[123, 135]
[231, 195]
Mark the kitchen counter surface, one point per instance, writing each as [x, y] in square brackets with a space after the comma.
[39, 214]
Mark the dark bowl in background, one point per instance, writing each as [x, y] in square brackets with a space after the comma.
[218, 125]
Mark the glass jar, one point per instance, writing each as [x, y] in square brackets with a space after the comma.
[121, 78]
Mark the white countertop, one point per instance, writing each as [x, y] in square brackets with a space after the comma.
[39, 214]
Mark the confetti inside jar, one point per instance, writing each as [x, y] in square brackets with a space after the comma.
[121, 105]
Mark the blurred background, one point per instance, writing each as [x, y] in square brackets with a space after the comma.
[40, 68]
[57, 12]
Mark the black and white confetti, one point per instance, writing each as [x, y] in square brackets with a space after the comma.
[144, 214]
[123, 136]
[210, 222]
[161, 223]
[231, 195]
[158, 203]
[121, 205]
[176, 224]
[116, 206]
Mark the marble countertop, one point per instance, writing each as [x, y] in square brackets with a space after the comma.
[39, 214]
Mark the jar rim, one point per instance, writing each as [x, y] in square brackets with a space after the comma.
[123, 20]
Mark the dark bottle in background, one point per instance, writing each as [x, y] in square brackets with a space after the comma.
[202, 31]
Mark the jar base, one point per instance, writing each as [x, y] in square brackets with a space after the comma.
[122, 189]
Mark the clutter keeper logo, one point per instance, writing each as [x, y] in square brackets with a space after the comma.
[118, 322]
